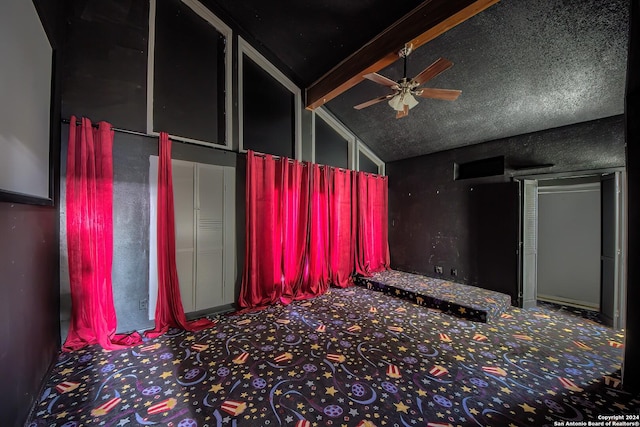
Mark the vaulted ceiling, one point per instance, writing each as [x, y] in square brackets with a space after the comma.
[522, 65]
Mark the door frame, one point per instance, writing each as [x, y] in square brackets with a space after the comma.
[619, 290]
[621, 237]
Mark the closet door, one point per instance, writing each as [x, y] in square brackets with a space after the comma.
[204, 208]
[210, 236]
[183, 193]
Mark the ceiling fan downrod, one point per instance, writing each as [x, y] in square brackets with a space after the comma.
[403, 53]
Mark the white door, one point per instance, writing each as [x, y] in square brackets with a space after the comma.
[183, 193]
[210, 236]
[204, 207]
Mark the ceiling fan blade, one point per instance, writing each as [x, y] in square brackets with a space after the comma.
[405, 112]
[385, 81]
[372, 101]
[444, 94]
[432, 70]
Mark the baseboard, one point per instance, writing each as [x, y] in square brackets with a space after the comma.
[211, 311]
[586, 305]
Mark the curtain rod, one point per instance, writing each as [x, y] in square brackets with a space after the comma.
[275, 156]
[304, 163]
[115, 129]
[149, 135]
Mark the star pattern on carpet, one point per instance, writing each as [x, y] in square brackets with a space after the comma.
[395, 368]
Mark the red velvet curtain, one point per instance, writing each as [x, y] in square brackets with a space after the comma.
[342, 230]
[89, 209]
[318, 268]
[372, 219]
[294, 201]
[262, 275]
[308, 226]
[169, 310]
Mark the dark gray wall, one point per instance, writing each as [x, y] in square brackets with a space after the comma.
[307, 129]
[331, 147]
[105, 65]
[366, 164]
[188, 96]
[28, 305]
[437, 221]
[268, 118]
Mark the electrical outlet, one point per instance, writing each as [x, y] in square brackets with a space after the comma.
[454, 272]
[143, 304]
[438, 269]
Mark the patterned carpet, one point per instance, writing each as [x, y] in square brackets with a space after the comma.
[352, 357]
[456, 299]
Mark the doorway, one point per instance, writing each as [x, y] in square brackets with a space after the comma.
[204, 210]
[569, 242]
[572, 243]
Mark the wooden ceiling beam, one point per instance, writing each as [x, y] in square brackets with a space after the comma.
[426, 22]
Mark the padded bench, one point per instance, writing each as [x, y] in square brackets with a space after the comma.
[465, 301]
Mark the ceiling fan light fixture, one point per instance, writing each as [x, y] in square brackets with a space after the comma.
[396, 102]
[400, 100]
[410, 101]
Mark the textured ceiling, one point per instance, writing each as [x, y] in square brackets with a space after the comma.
[522, 66]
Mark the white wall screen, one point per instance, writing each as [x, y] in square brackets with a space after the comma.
[25, 90]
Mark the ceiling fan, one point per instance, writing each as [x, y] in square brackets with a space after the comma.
[404, 91]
